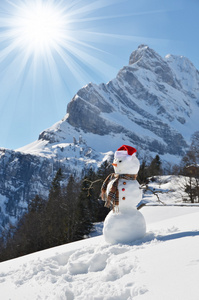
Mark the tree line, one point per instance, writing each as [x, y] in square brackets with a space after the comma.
[70, 210]
[66, 216]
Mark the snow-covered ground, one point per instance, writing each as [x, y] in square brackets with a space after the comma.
[163, 265]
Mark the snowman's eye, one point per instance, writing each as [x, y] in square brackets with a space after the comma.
[120, 161]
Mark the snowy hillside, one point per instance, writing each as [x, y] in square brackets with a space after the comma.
[163, 265]
[152, 105]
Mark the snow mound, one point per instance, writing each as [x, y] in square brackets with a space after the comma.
[124, 227]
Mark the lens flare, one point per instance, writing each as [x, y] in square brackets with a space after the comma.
[37, 26]
[52, 35]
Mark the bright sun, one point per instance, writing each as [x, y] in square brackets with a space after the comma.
[53, 36]
[38, 26]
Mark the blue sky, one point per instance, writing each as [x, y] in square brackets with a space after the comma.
[43, 66]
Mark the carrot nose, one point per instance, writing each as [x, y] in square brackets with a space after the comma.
[115, 165]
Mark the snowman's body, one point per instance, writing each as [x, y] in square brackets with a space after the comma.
[130, 194]
[128, 223]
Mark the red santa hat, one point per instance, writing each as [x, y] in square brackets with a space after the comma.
[125, 150]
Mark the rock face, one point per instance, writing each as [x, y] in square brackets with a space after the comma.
[152, 104]
[148, 102]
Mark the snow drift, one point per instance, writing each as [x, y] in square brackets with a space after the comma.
[162, 265]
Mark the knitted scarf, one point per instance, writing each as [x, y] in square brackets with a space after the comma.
[113, 195]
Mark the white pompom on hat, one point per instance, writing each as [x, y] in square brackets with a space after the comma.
[125, 150]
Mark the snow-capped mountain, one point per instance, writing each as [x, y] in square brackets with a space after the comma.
[152, 104]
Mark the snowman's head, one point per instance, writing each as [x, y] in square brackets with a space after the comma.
[125, 161]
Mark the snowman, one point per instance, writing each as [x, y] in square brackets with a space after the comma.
[124, 223]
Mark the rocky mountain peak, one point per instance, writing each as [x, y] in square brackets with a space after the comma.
[143, 53]
[146, 58]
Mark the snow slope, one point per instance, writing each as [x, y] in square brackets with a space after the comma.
[163, 265]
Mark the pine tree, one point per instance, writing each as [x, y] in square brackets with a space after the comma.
[101, 211]
[71, 194]
[143, 173]
[104, 170]
[85, 207]
[54, 234]
[36, 205]
[154, 168]
[56, 184]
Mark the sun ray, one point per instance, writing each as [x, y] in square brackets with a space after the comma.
[39, 28]
[92, 35]
[116, 16]
[45, 38]
[78, 73]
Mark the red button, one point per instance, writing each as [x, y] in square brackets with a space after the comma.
[123, 198]
[123, 189]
